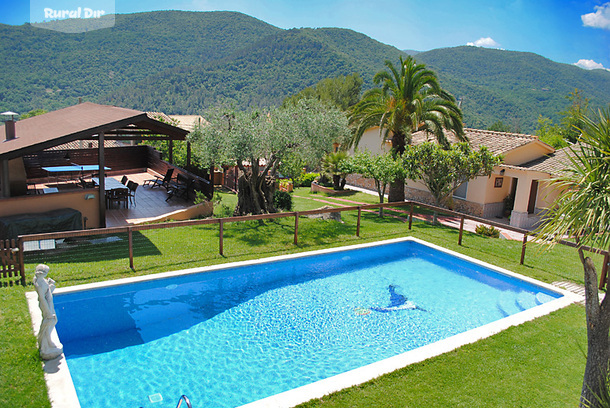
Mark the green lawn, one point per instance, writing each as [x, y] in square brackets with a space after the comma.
[536, 364]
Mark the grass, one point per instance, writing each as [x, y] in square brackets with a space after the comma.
[541, 359]
[536, 364]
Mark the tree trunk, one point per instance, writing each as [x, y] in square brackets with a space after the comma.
[381, 193]
[397, 187]
[337, 182]
[598, 347]
[254, 194]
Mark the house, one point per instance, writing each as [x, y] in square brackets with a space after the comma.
[519, 182]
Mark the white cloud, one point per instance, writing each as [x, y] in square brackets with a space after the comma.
[485, 42]
[590, 64]
[599, 19]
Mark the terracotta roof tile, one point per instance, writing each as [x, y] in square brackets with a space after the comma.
[552, 163]
[496, 142]
[85, 144]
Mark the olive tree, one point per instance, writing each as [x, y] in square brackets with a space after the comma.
[383, 169]
[444, 170]
[258, 140]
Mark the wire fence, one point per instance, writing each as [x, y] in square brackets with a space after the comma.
[192, 242]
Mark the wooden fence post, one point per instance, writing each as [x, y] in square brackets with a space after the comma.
[411, 216]
[461, 230]
[523, 249]
[130, 235]
[358, 223]
[296, 228]
[220, 243]
[21, 260]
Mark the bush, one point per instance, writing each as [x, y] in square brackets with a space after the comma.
[305, 179]
[324, 181]
[282, 200]
[487, 231]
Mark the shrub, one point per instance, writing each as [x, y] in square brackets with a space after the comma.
[324, 181]
[486, 231]
[223, 211]
[282, 200]
[305, 179]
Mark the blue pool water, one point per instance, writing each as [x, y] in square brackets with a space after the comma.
[236, 335]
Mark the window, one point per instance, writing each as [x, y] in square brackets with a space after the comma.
[461, 191]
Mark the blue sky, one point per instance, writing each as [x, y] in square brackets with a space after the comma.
[565, 31]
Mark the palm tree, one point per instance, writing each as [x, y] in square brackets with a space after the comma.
[409, 100]
[582, 211]
[331, 165]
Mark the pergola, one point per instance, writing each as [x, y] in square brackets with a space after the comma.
[84, 121]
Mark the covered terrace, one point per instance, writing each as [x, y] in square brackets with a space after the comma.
[29, 151]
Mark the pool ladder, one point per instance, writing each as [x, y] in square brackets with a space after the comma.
[184, 399]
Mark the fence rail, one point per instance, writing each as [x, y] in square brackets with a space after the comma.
[19, 245]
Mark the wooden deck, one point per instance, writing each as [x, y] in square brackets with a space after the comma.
[149, 203]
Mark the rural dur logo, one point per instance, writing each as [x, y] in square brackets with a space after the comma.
[72, 16]
[80, 12]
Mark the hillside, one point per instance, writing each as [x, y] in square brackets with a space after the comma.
[183, 62]
[49, 69]
[514, 87]
[262, 74]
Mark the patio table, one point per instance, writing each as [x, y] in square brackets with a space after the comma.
[72, 168]
[110, 183]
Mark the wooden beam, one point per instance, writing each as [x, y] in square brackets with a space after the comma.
[5, 184]
[102, 183]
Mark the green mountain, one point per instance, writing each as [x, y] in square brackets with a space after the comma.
[50, 69]
[183, 62]
[262, 74]
[515, 87]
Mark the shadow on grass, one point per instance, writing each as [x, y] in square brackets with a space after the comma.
[94, 248]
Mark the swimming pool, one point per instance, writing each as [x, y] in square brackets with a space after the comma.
[234, 334]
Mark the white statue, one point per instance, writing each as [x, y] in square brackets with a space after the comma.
[49, 344]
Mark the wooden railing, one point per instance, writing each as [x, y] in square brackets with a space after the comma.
[11, 271]
[129, 230]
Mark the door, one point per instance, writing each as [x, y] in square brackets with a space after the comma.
[531, 205]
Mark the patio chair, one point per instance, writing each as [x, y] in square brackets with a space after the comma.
[118, 196]
[161, 181]
[180, 188]
[86, 184]
[132, 186]
[124, 180]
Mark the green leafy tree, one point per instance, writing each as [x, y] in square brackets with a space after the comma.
[383, 169]
[444, 170]
[571, 123]
[179, 149]
[572, 119]
[410, 99]
[342, 91]
[292, 166]
[550, 133]
[34, 112]
[257, 141]
[499, 126]
[581, 211]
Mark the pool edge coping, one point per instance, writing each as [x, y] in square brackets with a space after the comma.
[62, 393]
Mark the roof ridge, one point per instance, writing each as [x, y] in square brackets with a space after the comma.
[495, 132]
